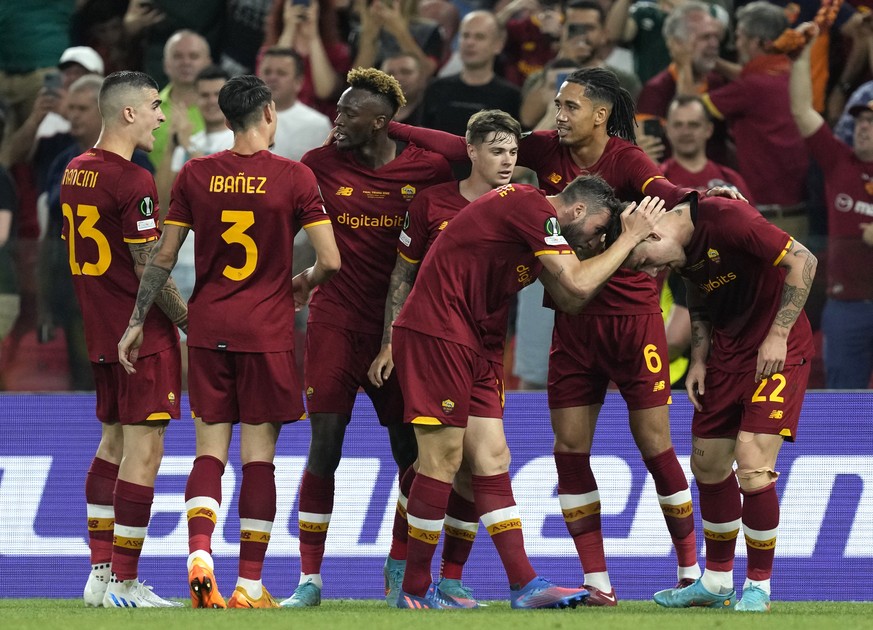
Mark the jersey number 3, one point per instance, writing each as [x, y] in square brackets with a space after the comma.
[86, 229]
[241, 220]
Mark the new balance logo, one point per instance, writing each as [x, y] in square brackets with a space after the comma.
[776, 414]
[659, 386]
[345, 191]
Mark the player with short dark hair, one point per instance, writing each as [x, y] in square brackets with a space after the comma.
[450, 365]
[245, 204]
[110, 213]
[619, 336]
[751, 347]
[368, 181]
[492, 145]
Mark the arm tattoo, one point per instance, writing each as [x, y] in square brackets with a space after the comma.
[399, 288]
[794, 297]
[156, 286]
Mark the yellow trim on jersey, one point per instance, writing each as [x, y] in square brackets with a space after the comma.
[428, 420]
[407, 258]
[649, 181]
[710, 106]
[785, 433]
[784, 252]
[158, 415]
[179, 223]
[141, 240]
[551, 252]
[319, 222]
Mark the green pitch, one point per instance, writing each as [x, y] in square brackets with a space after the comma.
[52, 614]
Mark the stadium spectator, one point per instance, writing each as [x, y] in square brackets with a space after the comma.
[159, 20]
[368, 181]
[9, 299]
[847, 321]
[389, 26]
[299, 128]
[248, 377]
[450, 101]
[690, 31]
[34, 36]
[747, 283]
[688, 130]
[99, 24]
[313, 33]
[185, 55]
[492, 145]
[110, 211]
[582, 41]
[756, 108]
[406, 69]
[486, 254]
[532, 39]
[243, 35]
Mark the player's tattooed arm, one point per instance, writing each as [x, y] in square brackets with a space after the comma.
[701, 326]
[399, 288]
[800, 265]
[153, 262]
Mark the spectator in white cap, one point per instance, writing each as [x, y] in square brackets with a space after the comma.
[46, 119]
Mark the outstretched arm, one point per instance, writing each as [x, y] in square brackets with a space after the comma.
[808, 120]
[450, 146]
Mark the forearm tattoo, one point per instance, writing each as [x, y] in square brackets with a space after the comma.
[399, 288]
[794, 297]
[151, 284]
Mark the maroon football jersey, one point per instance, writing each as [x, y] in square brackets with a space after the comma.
[632, 175]
[428, 215]
[713, 174]
[849, 195]
[108, 202]
[731, 259]
[245, 211]
[367, 208]
[485, 255]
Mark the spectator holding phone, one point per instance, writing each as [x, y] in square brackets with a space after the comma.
[532, 39]
[693, 37]
[583, 39]
[309, 27]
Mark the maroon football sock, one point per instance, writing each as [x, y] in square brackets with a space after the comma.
[580, 505]
[761, 515]
[257, 509]
[316, 506]
[500, 516]
[460, 527]
[401, 527]
[99, 488]
[675, 499]
[202, 495]
[426, 509]
[133, 507]
[721, 512]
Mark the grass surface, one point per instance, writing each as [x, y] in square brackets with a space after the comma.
[52, 614]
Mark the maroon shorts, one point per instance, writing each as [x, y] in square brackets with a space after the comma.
[152, 394]
[335, 365]
[589, 351]
[443, 382]
[735, 402]
[248, 387]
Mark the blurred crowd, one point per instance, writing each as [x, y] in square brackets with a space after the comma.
[712, 99]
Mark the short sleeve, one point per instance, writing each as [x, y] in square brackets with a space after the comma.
[138, 205]
[180, 210]
[309, 206]
[534, 220]
[413, 240]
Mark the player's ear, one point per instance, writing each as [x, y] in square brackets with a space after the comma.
[471, 152]
[579, 209]
[129, 114]
[653, 237]
[380, 122]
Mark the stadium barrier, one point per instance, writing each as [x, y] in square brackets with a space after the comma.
[825, 539]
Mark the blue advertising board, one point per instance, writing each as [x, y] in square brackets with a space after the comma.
[826, 488]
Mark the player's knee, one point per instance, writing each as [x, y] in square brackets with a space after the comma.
[709, 469]
[751, 479]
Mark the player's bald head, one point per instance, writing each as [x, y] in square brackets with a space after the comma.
[123, 89]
